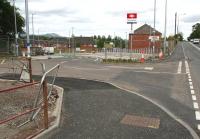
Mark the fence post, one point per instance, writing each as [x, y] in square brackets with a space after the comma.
[30, 69]
[45, 99]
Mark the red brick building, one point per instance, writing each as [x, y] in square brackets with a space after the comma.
[141, 38]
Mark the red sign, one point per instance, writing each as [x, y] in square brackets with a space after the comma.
[131, 15]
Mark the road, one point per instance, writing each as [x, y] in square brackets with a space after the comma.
[171, 85]
[166, 85]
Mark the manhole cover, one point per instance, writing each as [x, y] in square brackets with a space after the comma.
[141, 121]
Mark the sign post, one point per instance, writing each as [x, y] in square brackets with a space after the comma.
[131, 19]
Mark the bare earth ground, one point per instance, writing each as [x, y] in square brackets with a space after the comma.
[18, 101]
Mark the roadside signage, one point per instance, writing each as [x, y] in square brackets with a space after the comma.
[131, 18]
[154, 38]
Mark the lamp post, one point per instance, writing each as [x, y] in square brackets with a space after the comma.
[33, 26]
[154, 26]
[16, 34]
[165, 26]
[179, 21]
[27, 29]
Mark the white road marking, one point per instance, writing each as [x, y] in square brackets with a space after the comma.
[190, 83]
[190, 80]
[3, 61]
[189, 77]
[197, 113]
[196, 105]
[192, 92]
[134, 68]
[191, 87]
[179, 67]
[148, 68]
[198, 126]
[194, 98]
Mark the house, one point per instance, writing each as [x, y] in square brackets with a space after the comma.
[143, 38]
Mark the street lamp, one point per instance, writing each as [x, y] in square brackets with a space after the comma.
[33, 27]
[16, 34]
[27, 29]
[179, 21]
[154, 26]
[165, 26]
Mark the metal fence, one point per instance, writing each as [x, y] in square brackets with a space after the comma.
[28, 104]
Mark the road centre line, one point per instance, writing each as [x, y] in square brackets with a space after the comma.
[179, 67]
[190, 80]
[190, 83]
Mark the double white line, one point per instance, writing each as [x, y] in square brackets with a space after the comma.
[179, 67]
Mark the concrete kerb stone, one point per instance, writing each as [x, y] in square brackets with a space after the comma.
[56, 112]
[168, 112]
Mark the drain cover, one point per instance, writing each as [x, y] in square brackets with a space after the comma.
[141, 121]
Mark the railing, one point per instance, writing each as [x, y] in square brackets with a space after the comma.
[18, 66]
[23, 103]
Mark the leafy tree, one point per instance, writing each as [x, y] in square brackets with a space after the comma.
[7, 25]
[196, 31]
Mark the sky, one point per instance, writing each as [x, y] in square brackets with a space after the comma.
[108, 17]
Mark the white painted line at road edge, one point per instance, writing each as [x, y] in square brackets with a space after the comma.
[196, 105]
[194, 98]
[192, 92]
[197, 113]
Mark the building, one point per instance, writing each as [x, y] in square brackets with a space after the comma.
[143, 38]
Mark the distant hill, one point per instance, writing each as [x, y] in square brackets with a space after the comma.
[52, 35]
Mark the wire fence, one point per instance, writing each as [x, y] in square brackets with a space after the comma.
[28, 106]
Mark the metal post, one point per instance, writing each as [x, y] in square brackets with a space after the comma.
[165, 27]
[175, 23]
[154, 26]
[27, 29]
[30, 69]
[45, 99]
[16, 34]
[33, 27]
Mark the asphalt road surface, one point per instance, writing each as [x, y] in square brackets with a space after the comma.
[172, 85]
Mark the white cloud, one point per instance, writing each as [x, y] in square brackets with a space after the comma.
[106, 17]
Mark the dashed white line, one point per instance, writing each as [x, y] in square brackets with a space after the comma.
[191, 87]
[196, 105]
[192, 92]
[198, 126]
[190, 83]
[190, 80]
[194, 98]
[197, 113]
[179, 67]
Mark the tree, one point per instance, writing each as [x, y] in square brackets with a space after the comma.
[7, 24]
[195, 31]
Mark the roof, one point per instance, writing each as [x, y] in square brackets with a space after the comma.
[146, 29]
